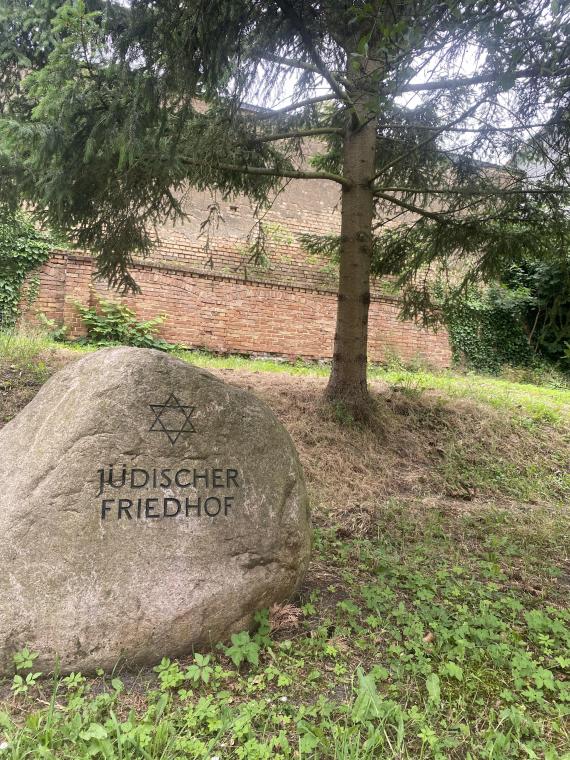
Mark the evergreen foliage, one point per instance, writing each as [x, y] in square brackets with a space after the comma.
[547, 308]
[102, 129]
[522, 321]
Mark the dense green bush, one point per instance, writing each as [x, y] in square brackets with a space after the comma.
[111, 322]
[22, 249]
[486, 330]
[547, 310]
[523, 321]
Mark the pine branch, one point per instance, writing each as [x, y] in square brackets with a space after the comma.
[474, 192]
[297, 64]
[264, 171]
[292, 62]
[408, 206]
[451, 84]
[301, 133]
[270, 113]
[436, 133]
[476, 130]
[290, 12]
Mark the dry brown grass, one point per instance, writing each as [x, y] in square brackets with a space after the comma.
[427, 448]
[284, 618]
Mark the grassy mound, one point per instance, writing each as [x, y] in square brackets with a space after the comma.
[434, 619]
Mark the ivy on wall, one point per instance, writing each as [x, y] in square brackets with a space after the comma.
[486, 329]
[22, 249]
[522, 321]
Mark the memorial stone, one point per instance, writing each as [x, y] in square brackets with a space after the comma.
[146, 508]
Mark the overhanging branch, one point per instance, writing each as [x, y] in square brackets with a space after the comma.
[291, 62]
[271, 113]
[301, 133]
[290, 12]
[436, 133]
[408, 206]
[297, 64]
[493, 76]
[477, 130]
[474, 193]
[264, 171]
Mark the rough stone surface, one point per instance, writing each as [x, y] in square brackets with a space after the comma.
[90, 584]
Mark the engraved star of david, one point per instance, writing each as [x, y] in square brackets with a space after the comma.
[172, 418]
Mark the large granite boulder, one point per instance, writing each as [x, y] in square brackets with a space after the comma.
[146, 508]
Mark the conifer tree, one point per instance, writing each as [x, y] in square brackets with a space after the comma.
[416, 104]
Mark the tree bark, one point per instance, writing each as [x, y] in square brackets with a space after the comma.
[348, 383]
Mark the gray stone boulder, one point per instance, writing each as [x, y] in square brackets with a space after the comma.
[146, 508]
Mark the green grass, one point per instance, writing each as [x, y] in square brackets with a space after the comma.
[551, 404]
[429, 627]
[426, 638]
[23, 352]
[214, 361]
[539, 401]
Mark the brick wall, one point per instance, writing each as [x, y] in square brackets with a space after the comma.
[216, 297]
[224, 312]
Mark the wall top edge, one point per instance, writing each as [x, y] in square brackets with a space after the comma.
[171, 267]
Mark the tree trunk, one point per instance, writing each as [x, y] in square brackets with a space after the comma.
[347, 382]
